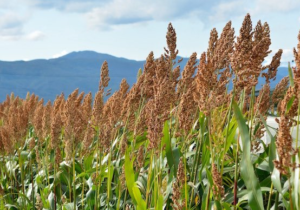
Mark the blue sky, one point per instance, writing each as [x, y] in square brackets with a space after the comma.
[31, 29]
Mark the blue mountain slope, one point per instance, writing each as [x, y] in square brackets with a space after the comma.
[48, 78]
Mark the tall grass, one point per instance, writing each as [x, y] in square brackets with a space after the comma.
[174, 140]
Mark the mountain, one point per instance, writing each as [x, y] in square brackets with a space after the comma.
[49, 78]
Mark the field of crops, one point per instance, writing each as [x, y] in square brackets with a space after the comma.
[179, 138]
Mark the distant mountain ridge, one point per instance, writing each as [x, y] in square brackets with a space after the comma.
[48, 78]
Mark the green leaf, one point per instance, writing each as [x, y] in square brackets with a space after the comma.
[209, 177]
[68, 206]
[166, 140]
[205, 152]
[51, 200]
[231, 134]
[109, 179]
[138, 197]
[205, 195]
[247, 172]
[289, 104]
[88, 162]
[296, 175]
[272, 146]
[226, 206]
[160, 202]
[133, 190]
[170, 182]
[218, 205]
[276, 179]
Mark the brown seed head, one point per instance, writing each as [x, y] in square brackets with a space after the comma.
[140, 158]
[210, 86]
[297, 53]
[88, 138]
[218, 188]
[79, 99]
[262, 104]
[279, 91]
[178, 203]
[123, 145]
[249, 54]
[55, 130]
[284, 145]
[212, 44]
[104, 76]
[37, 119]
[275, 63]
[6, 139]
[149, 76]
[224, 47]
[87, 107]
[181, 172]
[58, 157]
[97, 109]
[291, 94]
[171, 37]
[46, 124]
[187, 111]
[187, 75]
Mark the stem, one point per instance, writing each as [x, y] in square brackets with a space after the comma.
[269, 202]
[74, 176]
[31, 173]
[119, 197]
[208, 199]
[54, 184]
[22, 173]
[82, 191]
[99, 174]
[251, 110]
[195, 170]
[149, 179]
[291, 199]
[298, 118]
[125, 197]
[226, 138]
[70, 191]
[108, 182]
[276, 201]
[97, 191]
[236, 173]
[185, 183]
[11, 178]
[155, 190]
[46, 156]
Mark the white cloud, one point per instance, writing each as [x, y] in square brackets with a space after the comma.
[287, 55]
[277, 5]
[11, 26]
[121, 12]
[62, 53]
[222, 11]
[35, 36]
[66, 5]
[106, 14]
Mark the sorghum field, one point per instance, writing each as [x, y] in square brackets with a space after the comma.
[174, 140]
